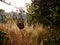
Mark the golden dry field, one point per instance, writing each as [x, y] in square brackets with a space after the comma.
[26, 36]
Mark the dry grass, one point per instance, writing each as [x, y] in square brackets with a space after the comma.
[26, 36]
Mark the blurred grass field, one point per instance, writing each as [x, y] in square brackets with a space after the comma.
[26, 36]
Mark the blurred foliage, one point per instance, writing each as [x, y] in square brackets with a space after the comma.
[2, 17]
[3, 38]
[47, 12]
[1, 10]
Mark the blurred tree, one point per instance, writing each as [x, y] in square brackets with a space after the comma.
[1, 10]
[1, 14]
[45, 11]
[48, 13]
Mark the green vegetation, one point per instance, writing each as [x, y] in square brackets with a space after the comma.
[46, 12]
[3, 38]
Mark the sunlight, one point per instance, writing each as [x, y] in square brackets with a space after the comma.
[15, 3]
[18, 3]
[6, 7]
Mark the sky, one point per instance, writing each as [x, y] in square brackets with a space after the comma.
[16, 3]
